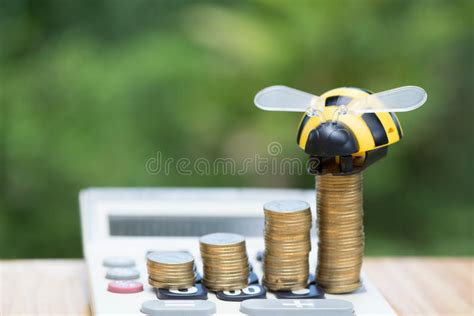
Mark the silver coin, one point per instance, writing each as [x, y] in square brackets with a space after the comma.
[222, 239]
[286, 206]
[170, 257]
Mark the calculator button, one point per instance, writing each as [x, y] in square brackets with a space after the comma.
[252, 291]
[122, 274]
[259, 255]
[197, 277]
[311, 279]
[274, 307]
[118, 262]
[312, 291]
[253, 278]
[178, 307]
[196, 292]
[125, 287]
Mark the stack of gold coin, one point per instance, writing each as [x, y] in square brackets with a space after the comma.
[225, 261]
[340, 231]
[287, 244]
[170, 269]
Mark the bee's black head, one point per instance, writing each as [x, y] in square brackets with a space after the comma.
[331, 139]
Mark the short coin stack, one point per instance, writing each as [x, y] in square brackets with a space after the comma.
[225, 261]
[341, 232]
[287, 244]
[170, 269]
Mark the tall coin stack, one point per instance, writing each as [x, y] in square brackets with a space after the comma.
[170, 270]
[225, 261]
[287, 244]
[340, 231]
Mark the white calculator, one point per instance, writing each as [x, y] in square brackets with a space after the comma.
[121, 225]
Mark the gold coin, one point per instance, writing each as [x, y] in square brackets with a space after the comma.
[175, 286]
[341, 289]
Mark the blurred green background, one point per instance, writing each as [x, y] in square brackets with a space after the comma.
[90, 90]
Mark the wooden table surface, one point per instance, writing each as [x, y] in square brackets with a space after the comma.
[413, 286]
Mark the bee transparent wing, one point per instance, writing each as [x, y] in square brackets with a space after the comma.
[282, 98]
[401, 99]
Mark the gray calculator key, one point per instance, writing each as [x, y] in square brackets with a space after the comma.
[306, 307]
[178, 307]
[118, 262]
[122, 274]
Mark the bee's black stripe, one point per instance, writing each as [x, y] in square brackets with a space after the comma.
[302, 125]
[376, 128]
[337, 100]
[394, 118]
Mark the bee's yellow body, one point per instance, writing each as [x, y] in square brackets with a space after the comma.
[369, 132]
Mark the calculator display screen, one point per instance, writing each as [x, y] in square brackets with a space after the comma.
[121, 225]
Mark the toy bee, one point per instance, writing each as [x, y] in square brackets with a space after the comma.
[345, 130]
